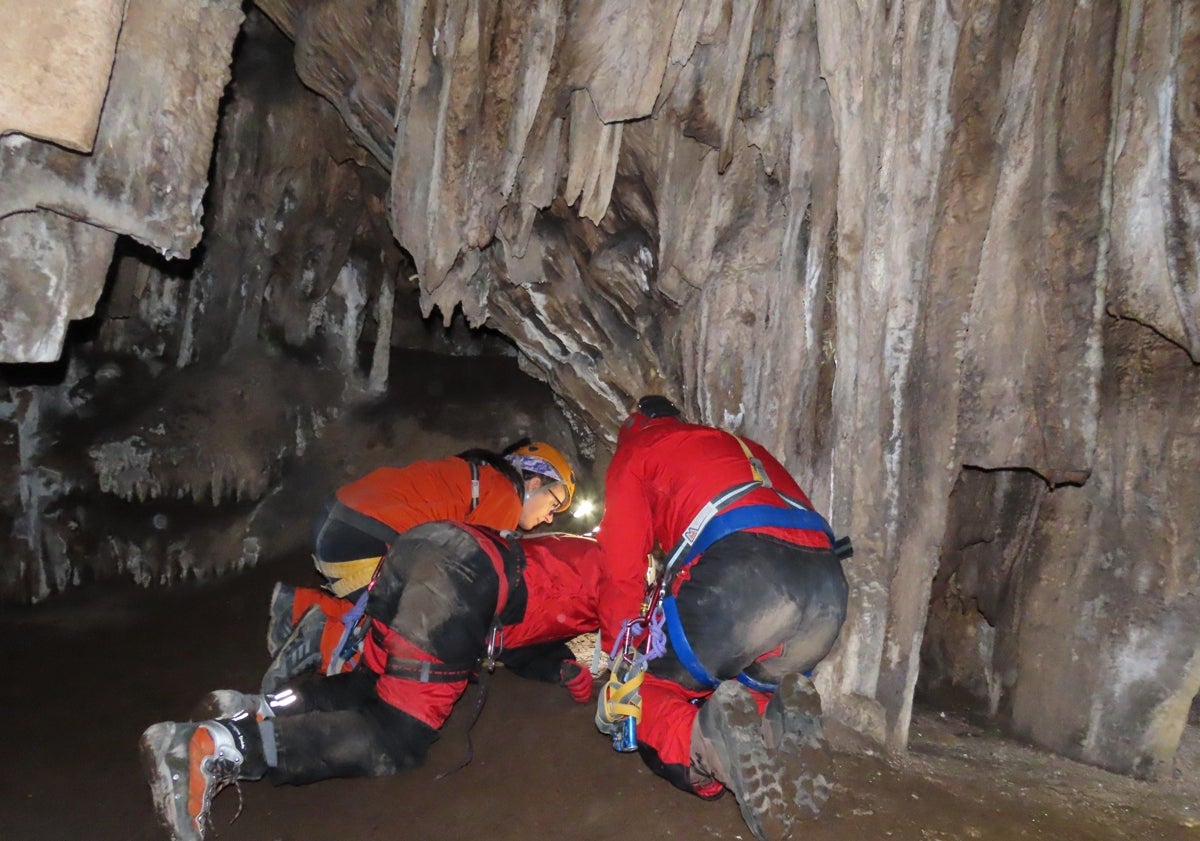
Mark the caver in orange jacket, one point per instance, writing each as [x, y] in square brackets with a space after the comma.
[424, 491]
[357, 526]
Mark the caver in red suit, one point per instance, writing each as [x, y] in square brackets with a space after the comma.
[443, 591]
[525, 487]
[549, 595]
[766, 601]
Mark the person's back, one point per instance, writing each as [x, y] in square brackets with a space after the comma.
[664, 472]
[365, 516]
[424, 491]
[680, 467]
[562, 578]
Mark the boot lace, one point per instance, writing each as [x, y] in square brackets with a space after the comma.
[221, 772]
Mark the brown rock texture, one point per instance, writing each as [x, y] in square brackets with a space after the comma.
[54, 68]
[149, 171]
[881, 239]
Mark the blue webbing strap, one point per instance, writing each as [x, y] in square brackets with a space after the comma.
[683, 649]
[722, 525]
[689, 660]
[347, 643]
[756, 516]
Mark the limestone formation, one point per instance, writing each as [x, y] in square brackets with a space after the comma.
[148, 174]
[54, 68]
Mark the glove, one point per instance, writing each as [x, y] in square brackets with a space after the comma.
[577, 679]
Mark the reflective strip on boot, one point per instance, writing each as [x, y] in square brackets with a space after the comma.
[226, 703]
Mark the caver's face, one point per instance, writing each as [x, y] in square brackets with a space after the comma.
[541, 503]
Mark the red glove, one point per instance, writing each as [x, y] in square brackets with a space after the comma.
[577, 679]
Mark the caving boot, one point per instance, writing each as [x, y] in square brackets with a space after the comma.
[792, 729]
[187, 764]
[299, 653]
[280, 623]
[727, 745]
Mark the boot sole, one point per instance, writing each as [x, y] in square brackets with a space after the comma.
[793, 723]
[154, 745]
[757, 779]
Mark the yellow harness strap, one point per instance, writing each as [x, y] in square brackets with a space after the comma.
[756, 468]
[620, 698]
[347, 576]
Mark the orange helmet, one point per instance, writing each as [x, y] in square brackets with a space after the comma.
[543, 459]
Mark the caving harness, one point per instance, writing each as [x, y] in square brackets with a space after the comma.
[512, 598]
[349, 576]
[659, 621]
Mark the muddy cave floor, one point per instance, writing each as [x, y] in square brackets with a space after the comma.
[87, 672]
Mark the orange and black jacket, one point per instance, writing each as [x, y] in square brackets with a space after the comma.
[425, 491]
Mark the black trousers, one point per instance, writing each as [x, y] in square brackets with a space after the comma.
[750, 594]
[340, 728]
[437, 589]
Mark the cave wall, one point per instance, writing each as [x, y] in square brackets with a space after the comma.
[882, 239]
[152, 449]
[145, 175]
[1110, 628]
[1060, 612]
[299, 254]
[887, 240]
[54, 68]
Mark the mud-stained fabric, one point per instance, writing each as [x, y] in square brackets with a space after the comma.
[665, 734]
[751, 603]
[756, 603]
[553, 593]
[433, 601]
[439, 590]
[340, 728]
[663, 473]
